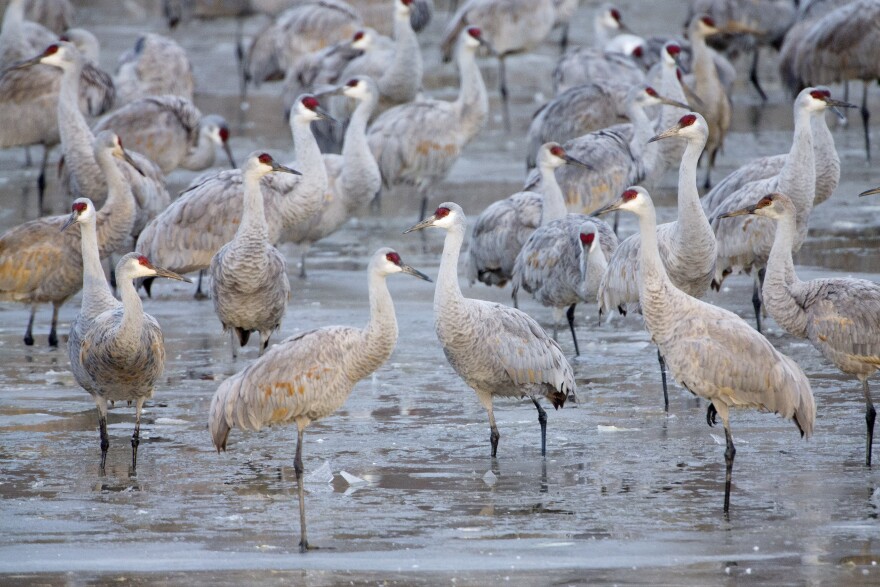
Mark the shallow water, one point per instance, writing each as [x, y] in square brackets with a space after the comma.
[626, 494]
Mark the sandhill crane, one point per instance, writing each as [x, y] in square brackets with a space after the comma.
[353, 178]
[771, 20]
[509, 26]
[123, 351]
[824, 152]
[82, 173]
[155, 66]
[21, 38]
[309, 376]
[552, 266]
[249, 284]
[619, 155]
[575, 112]
[29, 97]
[586, 64]
[503, 227]
[840, 316]
[687, 245]
[807, 15]
[170, 131]
[185, 236]
[710, 351]
[417, 143]
[839, 47]
[744, 244]
[498, 351]
[39, 265]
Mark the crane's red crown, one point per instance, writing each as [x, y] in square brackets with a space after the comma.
[687, 120]
[587, 238]
[352, 82]
[673, 49]
[393, 257]
[310, 102]
[629, 195]
[51, 50]
[358, 36]
[475, 32]
[441, 212]
[557, 151]
[79, 207]
[265, 159]
[144, 261]
[708, 21]
[224, 134]
[615, 14]
[651, 91]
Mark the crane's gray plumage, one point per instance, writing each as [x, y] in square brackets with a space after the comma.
[552, 265]
[39, 265]
[249, 283]
[56, 15]
[619, 155]
[417, 143]
[123, 352]
[353, 178]
[203, 218]
[498, 351]
[712, 352]
[807, 15]
[155, 66]
[840, 316]
[502, 228]
[170, 131]
[586, 64]
[21, 38]
[508, 26]
[310, 375]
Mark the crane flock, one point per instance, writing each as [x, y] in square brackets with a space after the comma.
[605, 132]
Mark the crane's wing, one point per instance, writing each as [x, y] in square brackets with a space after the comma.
[499, 234]
[742, 240]
[756, 169]
[549, 265]
[31, 252]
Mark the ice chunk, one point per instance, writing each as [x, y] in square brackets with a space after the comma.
[489, 478]
[323, 474]
[603, 428]
[352, 479]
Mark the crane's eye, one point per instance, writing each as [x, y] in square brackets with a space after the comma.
[629, 195]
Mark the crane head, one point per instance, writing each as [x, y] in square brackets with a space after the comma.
[611, 18]
[650, 97]
[554, 155]
[818, 99]
[309, 108]
[134, 265]
[447, 215]
[264, 163]
[362, 40]
[691, 124]
[775, 205]
[81, 210]
[403, 8]
[387, 261]
[473, 38]
[635, 199]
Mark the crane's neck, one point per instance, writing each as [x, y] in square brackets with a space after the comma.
[380, 334]
[96, 295]
[643, 153]
[553, 207]
[473, 101]
[690, 211]
[76, 137]
[360, 178]
[13, 20]
[781, 278]
[253, 216]
[797, 178]
[402, 80]
[203, 154]
[671, 88]
[304, 200]
[702, 63]
[117, 216]
[601, 34]
[447, 293]
[593, 266]
[657, 294]
[132, 325]
[826, 159]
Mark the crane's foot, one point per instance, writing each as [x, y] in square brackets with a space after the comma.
[135, 441]
[53, 338]
[303, 546]
[711, 415]
[29, 339]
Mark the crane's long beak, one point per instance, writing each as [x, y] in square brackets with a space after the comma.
[741, 212]
[127, 158]
[325, 115]
[284, 169]
[691, 95]
[671, 102]
[488, 47]
[836, 105]
[870, 192]
[672, 131]
[228, 150]
[162, 272]
[72, 219]
[27, 62]
[615, 205]
[737, 27]
[414, 272]
[574, 161]
[429, 221]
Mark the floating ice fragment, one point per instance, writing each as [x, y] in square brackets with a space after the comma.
[604, 428]
[323, 474]
[489, 478]
[171, 421]
[352, 479]
[718, 439]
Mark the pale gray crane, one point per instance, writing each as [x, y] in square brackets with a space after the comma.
[824, 152]
[840, 316]
[29, 97]
[552, 266]
[38, 265]
[807, 15]
[619, 155]
[504, 226]
[123, 351]
[841, 46]
[587, 64]
[55, 15]
[710, 351]
[498, 351]
[185, 236]
[309, 376]
[321, 69]
[672, 87]
[353, 178]
[575, 112]
[82, 174]
[687, 245]
[249, 283]
[155, 66]
[417, 143]
[170, 131]
[21, 38]
[509, 26]
[744, 244]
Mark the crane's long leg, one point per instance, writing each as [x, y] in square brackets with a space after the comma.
[710, 163]
[232, 343]
[729, 455]
[302, 262]
[753, 74]
[542, 420]
[200, 295]
[148, 285]
[502, 89]
[663, 378]
[239, 55]
[570, 315]
[136, 436]
[563, 39]
[53, 331]
[757, 290]
[865, 116]
[494, 435]
[41, 179]
[870, 416]
[102, 427]
[298, 469]
[29, 333]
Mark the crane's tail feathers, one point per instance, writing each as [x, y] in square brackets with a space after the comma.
[217, 425]
[557, 397]
[243, 335]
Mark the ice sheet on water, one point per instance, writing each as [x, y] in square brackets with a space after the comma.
[604, 428]
[490, 479]
[323, 474]
[352, 479]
